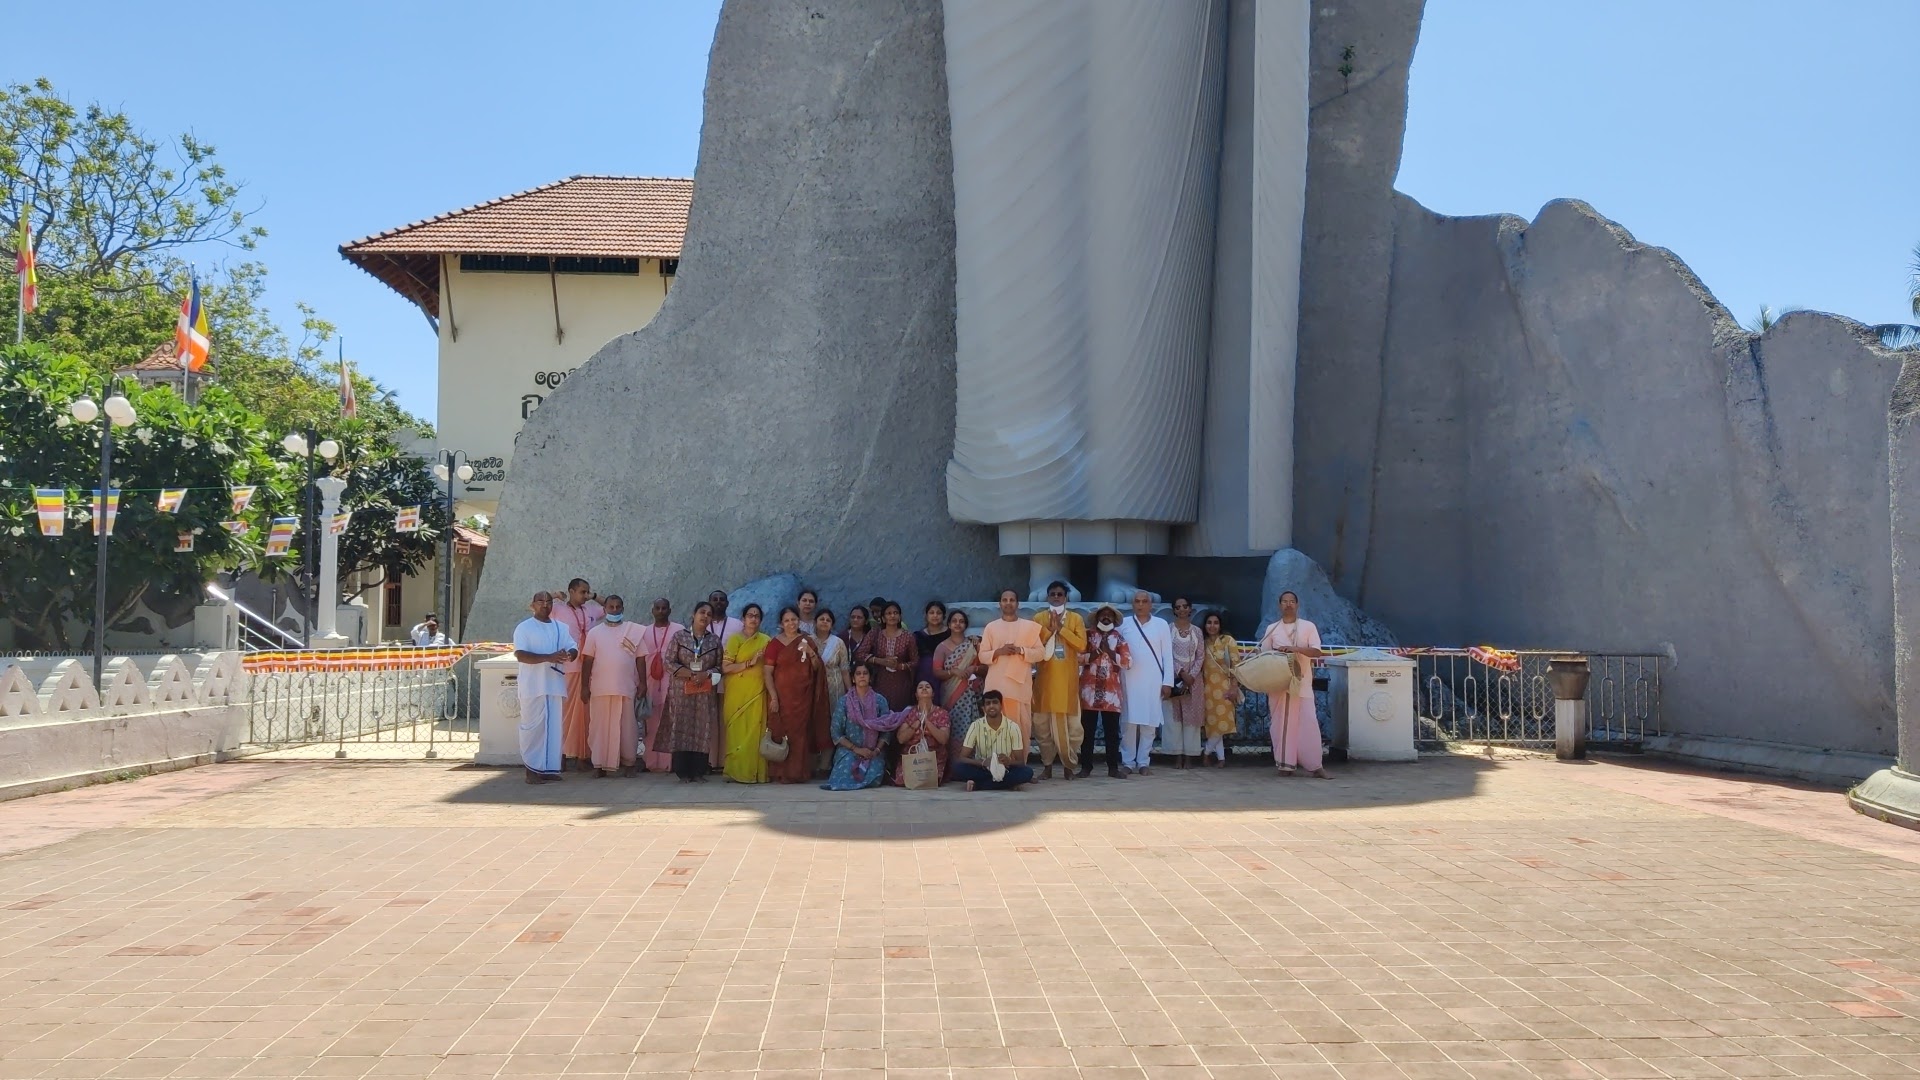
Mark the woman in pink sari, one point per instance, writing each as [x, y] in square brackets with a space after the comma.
[956, 663]
[923, 721]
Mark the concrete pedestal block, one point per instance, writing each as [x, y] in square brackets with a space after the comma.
[499, 711]
[1372, 701]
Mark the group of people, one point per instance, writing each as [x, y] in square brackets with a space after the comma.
[875, 703]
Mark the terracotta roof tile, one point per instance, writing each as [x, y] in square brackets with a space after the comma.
[632, 217]
[626, 216]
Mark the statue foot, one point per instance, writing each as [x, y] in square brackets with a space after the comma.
[1039, 595]
[1120, 594]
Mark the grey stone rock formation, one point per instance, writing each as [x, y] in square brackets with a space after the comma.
[790, 408]
[1577, 447]
[1893, 794]
[1340, 620]
[772, 593]
[1354, 134]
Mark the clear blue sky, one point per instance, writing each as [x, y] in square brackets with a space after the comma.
[1766, 142]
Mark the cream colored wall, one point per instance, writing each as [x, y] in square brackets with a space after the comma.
[498, 353]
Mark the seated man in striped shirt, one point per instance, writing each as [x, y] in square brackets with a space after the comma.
[993, 738]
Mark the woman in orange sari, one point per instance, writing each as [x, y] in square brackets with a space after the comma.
[796, 698]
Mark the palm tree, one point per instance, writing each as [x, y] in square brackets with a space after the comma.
[1764, 321]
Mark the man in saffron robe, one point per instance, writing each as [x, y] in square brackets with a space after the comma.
[1010, 646]
[655, 639]
[542, 645]
[579, 614]
[610, 678]
[1056, 698]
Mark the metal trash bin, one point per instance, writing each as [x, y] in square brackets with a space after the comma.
[1568, 675]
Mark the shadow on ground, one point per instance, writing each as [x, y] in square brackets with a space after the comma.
[889, 813]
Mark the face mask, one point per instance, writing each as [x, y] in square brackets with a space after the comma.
[615, 618]
[1057, 609]
[1105, 625]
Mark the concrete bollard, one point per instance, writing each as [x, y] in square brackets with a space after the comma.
[1568, 675]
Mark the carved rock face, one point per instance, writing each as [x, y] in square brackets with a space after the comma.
[790, 409]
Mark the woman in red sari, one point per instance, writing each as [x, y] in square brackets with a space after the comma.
[796, 698]
[923, 720]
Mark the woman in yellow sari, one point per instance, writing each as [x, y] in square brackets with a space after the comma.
[1222, 693]
[745, 700]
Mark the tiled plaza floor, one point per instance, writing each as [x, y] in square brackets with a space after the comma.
[1458, 918]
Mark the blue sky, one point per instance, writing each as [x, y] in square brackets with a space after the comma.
[1766, 146]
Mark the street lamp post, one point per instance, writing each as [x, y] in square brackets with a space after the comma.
[118, 412]
[452, 466]
[304, 446]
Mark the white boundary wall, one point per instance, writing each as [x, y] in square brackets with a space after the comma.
[157, 713]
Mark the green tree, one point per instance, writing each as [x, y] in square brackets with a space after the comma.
[116, 215]
[46, 590]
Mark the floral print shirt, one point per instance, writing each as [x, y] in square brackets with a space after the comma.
[1101, 665]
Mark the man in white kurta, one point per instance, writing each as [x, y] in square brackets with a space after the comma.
[543, 645]
[1148, 682]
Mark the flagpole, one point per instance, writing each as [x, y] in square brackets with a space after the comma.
[21, 230]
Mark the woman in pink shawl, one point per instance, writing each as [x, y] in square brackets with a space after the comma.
[860, 718]
[924, 720]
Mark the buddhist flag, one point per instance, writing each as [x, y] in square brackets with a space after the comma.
[170, 500]
[348, 407]
[190, 342]
[339, 523]
[237, 528]
[280, 536]
[105, 517]
[51, 503]
[183, 542]
[23, 264]
[242, 498]
[407, 520]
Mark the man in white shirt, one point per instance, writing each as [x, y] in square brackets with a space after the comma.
[1148, 682]
[426, 633]
[542, 644]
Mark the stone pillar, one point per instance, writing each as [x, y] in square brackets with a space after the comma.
[326, 603]
[1894, 794]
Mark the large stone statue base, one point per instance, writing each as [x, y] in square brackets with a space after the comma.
[1889, 795]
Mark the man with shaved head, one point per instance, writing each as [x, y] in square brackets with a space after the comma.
[543, 646]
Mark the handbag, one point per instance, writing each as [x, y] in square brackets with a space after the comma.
[920, 769]
[773, 750]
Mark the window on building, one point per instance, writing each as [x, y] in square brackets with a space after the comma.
[392, 614]
[541, 264]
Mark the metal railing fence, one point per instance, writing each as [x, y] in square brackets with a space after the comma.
[366, 700]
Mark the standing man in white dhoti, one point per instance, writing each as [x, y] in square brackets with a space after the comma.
[1149, 682]
[542, 644]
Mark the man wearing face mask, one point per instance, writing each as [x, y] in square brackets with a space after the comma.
[610, 679]
[1102, 690]
[1056, 690]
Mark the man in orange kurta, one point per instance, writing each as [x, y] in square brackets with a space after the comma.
[1056, 697]
[1010, 646]
[579, 613]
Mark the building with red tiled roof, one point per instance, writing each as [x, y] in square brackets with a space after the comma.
[163, 366]
[519, 291]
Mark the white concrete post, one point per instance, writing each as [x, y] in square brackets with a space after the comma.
[326, 600]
